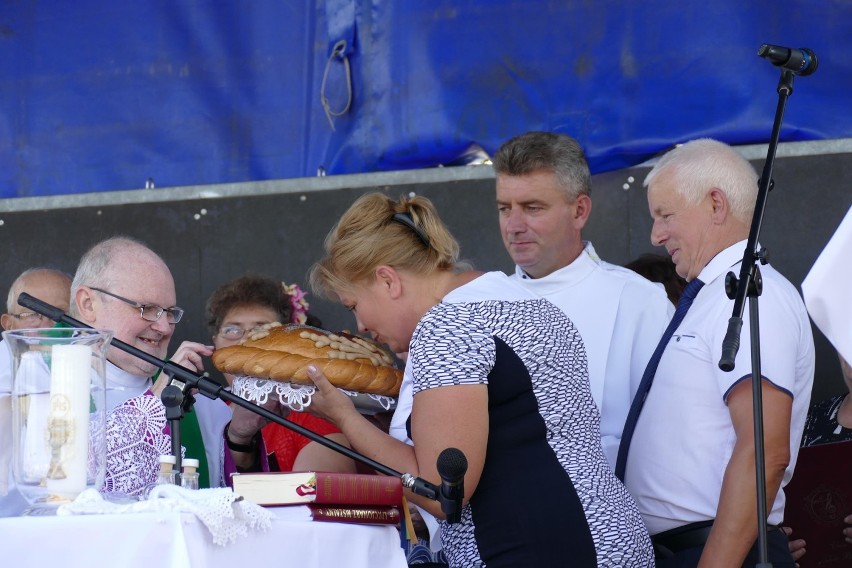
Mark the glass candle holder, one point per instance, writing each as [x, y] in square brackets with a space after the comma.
[58, 413]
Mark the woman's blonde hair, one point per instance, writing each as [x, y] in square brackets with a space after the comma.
[406, 234]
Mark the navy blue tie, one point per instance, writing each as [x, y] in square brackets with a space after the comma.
[648, 376]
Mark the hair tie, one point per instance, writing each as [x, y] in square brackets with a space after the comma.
[298, 304]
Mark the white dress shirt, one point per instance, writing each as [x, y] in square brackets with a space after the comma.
[684, 437]
[620, 316]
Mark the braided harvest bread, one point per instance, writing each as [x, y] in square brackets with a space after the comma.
[283, 353]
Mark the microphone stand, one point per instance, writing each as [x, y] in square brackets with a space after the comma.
[750, 284]
[213, 390]
[176, 402]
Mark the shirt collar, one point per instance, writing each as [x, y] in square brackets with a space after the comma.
[119, 376]
[723, 262]
[587, 261]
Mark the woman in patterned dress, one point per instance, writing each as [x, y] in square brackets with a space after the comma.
[499, 374]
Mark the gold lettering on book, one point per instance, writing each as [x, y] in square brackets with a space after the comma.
[359, 514]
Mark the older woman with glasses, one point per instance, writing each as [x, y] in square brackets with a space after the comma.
[240, 306]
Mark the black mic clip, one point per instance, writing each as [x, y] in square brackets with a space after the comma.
[801, 61]
[176, 396]
[173, 399]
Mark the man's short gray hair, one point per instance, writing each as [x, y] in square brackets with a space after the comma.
[546, 151]
[703, 164]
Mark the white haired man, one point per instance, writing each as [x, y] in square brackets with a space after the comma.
[691, 463]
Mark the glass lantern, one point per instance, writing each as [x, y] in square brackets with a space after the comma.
[58, 413]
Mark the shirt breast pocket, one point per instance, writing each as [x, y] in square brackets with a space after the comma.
[688, 345]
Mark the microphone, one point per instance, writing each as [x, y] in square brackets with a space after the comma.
[452, 465]
[801, 61]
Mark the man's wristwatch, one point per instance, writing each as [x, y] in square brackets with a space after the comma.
[249, 448]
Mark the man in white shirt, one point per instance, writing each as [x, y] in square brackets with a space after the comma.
[691, 462]
[543, 202]
[53, 287]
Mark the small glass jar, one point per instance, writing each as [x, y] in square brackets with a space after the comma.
[167, 475]
[189, 475]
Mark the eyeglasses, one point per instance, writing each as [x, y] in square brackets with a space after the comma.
[29, 318]
[148, 312]
[235, 331]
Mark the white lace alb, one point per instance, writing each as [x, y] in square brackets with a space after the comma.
[136, 437]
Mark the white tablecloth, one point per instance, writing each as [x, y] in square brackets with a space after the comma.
[176, 540]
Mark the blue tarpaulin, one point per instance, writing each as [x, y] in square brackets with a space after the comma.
[99, 96]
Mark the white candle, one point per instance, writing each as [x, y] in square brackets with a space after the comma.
[68, 419]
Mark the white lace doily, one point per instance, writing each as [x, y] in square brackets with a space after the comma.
[226, 517]
[298, 397]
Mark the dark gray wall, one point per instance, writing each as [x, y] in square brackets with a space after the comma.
[209, 237]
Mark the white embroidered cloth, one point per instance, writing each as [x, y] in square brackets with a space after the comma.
[136, 438]
[298, 397]
[225, 515]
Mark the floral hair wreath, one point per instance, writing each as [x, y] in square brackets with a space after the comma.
[298, 303]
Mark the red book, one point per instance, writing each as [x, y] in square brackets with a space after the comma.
[819, 497]
[360, 514]
[297, 488]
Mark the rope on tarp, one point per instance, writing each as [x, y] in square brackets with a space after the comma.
[339, 52]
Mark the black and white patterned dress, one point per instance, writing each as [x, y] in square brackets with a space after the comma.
[822, 426]
[546, 496]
